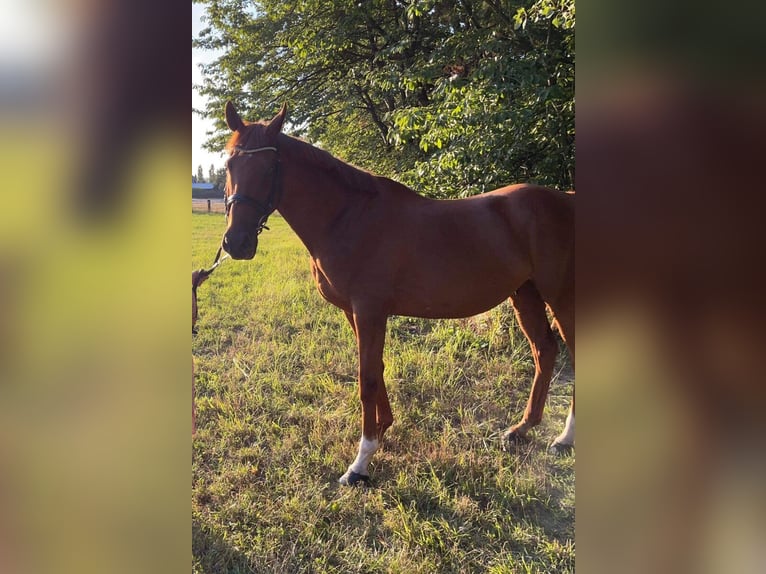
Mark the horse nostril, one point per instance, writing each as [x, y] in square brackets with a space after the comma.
[227, 244]
[237, 244]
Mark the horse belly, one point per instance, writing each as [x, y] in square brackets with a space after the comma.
[448, 273]
[450, 294]
[453, 309]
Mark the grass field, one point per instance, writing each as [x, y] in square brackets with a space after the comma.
[278, 423]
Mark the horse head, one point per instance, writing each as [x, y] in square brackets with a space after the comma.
[253, 180]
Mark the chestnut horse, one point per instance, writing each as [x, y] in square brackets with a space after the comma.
[379, 249]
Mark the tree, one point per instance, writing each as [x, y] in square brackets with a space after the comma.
[218, 178]
[200, 175]
[506, 111]
[453, 97]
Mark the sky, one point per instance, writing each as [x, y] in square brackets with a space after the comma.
[200, 125]
[21, 49]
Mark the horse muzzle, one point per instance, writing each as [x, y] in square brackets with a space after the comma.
[240, 245]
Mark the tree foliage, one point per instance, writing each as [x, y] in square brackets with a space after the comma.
[453, 97]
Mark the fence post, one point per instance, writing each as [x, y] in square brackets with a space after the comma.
[208, 206]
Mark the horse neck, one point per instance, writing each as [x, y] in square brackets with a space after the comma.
[312, 199]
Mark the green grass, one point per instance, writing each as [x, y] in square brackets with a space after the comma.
[279, 421]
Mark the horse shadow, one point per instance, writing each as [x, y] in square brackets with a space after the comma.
[211, 554]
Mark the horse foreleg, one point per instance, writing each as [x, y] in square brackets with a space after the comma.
[384, 416]
[530, 312]
[370, 332]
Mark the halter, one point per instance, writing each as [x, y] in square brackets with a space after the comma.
[274, 195]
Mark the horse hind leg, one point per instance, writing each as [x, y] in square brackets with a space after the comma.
[530, 313]
[564, 313]
[565, 441]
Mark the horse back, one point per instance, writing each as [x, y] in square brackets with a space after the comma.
[461, 257]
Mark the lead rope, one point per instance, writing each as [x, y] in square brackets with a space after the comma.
[204, 273]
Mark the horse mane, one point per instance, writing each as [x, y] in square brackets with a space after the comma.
[357, 179]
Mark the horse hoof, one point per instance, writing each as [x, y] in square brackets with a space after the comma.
[352, 478]
[513, 438]
[560, 449]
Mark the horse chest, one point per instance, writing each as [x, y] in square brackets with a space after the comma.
[326, 288]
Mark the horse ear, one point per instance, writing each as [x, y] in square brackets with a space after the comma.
[233, 120]
[275, 125]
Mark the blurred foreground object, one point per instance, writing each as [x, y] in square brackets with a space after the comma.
[130, 83]
[670, 267]
[93, 385]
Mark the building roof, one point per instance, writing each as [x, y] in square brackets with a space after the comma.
[201, 186]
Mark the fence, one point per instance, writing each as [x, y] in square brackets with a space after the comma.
[208, 206]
